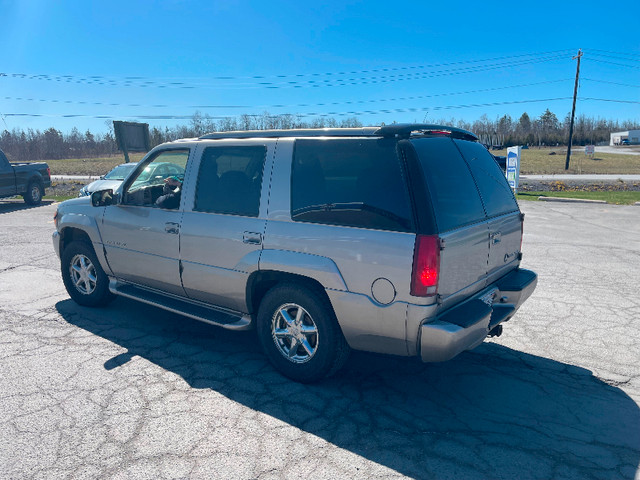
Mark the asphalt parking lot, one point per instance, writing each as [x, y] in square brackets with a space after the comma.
[130, 391]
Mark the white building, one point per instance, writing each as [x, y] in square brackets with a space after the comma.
[632, 135]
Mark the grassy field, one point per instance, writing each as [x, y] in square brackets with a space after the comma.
[549, 160]
[88, 166]
[618, 198]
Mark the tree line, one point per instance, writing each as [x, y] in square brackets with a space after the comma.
[21, 145]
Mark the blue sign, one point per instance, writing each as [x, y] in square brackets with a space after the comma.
[513, 167]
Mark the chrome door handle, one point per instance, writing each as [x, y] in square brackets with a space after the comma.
[252, 238]
[172, 227]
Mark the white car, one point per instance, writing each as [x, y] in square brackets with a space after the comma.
[111, 180]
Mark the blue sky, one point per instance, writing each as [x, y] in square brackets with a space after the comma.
[82, 64]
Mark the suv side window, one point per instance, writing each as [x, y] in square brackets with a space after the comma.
[494, 188]
[229, 180]
[149, 183]
[351, 182]
[455, 198]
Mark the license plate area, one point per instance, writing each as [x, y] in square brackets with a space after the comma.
[489, 297]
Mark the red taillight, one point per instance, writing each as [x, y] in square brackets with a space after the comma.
[55, 219]
[49, 172]
[426, 266]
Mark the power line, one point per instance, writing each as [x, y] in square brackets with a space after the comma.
[304, 114]
[290, 75]
[613, 63]
[610, 100]
[315, 83]
[616, 57]
[635, 55]
[403, 77]
[612, 83]
[349, 102]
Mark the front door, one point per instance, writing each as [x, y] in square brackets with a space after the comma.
[141, 233]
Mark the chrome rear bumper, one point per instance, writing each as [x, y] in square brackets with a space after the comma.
[465, 326]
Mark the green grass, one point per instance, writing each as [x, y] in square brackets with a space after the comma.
[89, 166]
[539, 161]
[615, 197]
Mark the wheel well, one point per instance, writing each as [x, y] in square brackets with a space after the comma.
[261, 282]
[35, 179]
[71, 234]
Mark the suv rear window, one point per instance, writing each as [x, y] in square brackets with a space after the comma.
[492, 183]
[352, 182]
[455, 198]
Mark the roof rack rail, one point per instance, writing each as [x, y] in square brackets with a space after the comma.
[406, 129]
[301, 132]
[401, 130]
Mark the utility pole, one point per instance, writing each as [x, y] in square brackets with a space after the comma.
[573, 110]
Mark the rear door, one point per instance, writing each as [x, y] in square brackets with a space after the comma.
[505, 220]
[223, 225]
[459, 217]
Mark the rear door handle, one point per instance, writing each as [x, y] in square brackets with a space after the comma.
[252, 238]
[496, 237]
[172, 227]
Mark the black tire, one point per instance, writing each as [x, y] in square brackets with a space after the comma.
[34, 193]
[325, 350]
[83, 277]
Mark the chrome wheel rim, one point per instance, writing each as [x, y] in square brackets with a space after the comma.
[295, 333]
[83, 274]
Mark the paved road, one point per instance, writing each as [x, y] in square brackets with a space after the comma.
[130, 391]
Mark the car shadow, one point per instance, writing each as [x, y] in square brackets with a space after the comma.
[491, 413]
[8, 206]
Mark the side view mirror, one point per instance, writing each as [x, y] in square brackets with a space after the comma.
[103, 198]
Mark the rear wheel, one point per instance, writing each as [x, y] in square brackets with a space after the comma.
[34, 193]
[83, 277]
[299, 333]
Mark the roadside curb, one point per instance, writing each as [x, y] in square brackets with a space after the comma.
[572, 200]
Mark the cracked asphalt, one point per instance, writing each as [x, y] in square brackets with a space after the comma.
[130, 391]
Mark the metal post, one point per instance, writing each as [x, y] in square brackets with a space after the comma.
[573, 110]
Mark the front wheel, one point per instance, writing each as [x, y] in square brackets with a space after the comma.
[299, 333]
[34, 193]
[83, 277]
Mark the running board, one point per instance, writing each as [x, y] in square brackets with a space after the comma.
[196, 310]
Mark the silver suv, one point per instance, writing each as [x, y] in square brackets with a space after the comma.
[401, 239]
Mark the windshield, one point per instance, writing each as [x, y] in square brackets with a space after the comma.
[120, 172]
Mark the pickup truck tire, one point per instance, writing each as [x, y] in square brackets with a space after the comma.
[299, 333]
[34, 193]
[83, 277]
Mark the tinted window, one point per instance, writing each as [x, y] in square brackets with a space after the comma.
[453, 192]
[353, 182]
[492, 183]
[229, 180]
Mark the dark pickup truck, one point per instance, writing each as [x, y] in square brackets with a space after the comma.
[26, 179]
